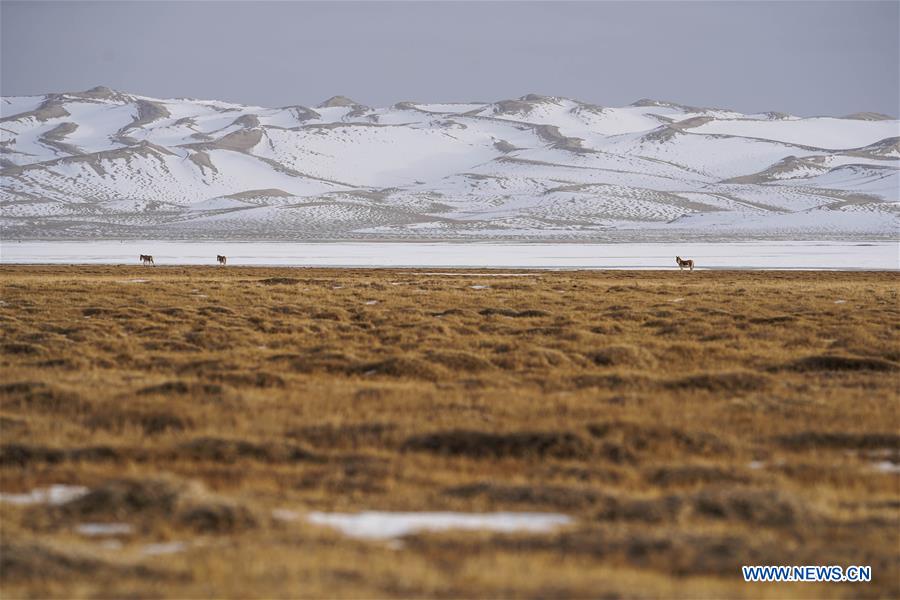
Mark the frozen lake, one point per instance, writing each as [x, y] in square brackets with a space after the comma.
[736, 255]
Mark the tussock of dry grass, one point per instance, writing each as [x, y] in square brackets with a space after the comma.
[690, 423]
[832, 362]
[519, 444]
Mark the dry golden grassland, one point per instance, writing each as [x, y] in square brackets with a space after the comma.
[689, 423]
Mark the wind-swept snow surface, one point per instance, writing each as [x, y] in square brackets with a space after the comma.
[103, 164]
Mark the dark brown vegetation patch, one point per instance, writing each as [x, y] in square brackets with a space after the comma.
[399, 366]
[225, 450]
[667, 550]
[21, 348]
[347, 435]
[329, 315]
[258, 379]
[533, 358]
[152, 421]
[319, 360]
[509, 312]
[624, 441]
[648, 510]
[772, 320]
[171, 346]
[766, 507]
[155, 501]
[13, 424]
[731, 381]
[623, 356]
[121, 499]
[39, 396]
[216, 516]
[207, 367]
[614, 381]
[25, 561]
[520, 444]
[348, 474]
[22, 455]
[835, 362]
[213, 310]
[555, 496]
[460, 361]
[449, 312]
[690, 475]
[69, 364]
[807, 440]
[178, 387]
[279, 281]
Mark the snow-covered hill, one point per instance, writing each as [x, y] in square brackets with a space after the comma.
[107, 164]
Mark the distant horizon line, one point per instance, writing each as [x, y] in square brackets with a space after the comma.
[531, 96]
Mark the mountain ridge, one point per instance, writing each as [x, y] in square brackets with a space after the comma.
[108, 164]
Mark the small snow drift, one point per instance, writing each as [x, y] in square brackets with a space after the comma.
[55, 494]
[375, 525]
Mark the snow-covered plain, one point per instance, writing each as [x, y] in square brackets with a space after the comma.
[735, 255]
[104, 164]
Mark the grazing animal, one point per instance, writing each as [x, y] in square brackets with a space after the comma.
[682, 263]
[146, 259]
[221, 259]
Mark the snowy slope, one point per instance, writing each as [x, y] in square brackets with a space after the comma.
[108, 164]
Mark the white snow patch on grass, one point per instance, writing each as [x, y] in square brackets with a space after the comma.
[100, 529]
[54, 494]
[887, 467]
[379, 525]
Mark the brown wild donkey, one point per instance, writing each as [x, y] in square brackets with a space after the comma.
[146, 259]
[682, 263]
[221, 259]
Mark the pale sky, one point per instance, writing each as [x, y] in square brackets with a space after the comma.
[806, 58]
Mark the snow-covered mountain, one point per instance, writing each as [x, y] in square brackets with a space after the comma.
[107, 164]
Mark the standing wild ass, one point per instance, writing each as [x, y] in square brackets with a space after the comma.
[682, 263]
